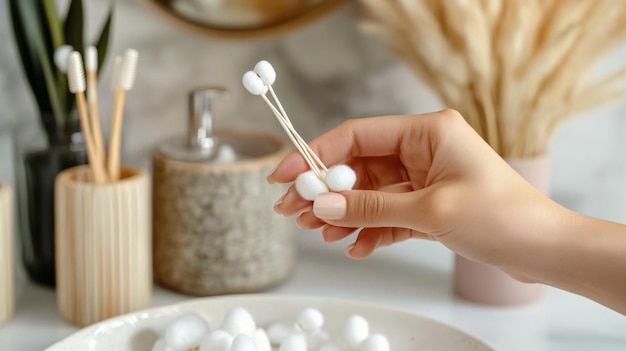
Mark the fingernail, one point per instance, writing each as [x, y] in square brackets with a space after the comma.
[277, 205]
[270, 177]
[330, 206]
[349, 249]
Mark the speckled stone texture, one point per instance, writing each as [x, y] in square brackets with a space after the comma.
[215, 231]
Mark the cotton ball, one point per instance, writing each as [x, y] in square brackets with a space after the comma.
[216, 340]
[375, 342]
[294, 342]
[277, 332]
[310, 320]
[308, 185]
[186, 331]
[340, 178]
[160, 345]
[355, 330]
[243, 342]
[266, 72]
[239, 321]
[330, 347]
[262, 340]
[315, 339]
[60, 57]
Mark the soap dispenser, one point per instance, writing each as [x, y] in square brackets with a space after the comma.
[215, 231]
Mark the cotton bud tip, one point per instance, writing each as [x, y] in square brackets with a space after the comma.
[75, 73]
[186, 332]
[61, 55]
[253, 83]
[375, 342]
[128, 71]
[266, 72]
[309, 186]
[91, 58]
[340, 178]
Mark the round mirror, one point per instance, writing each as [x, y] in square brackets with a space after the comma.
[242, 19]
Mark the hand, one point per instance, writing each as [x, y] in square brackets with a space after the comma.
[431, 176]
[427, 176]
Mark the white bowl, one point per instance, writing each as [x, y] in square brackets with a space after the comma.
[138, 331]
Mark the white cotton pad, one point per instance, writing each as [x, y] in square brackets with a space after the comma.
[239, 321]
[375, 342]
[310, 320]
[340, 178]
[355, 330]
[308, 185]
[216, 340]
[186, 332]
[253, 83]
[266, 72]
[243, 342]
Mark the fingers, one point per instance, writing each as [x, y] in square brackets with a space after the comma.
[369, 239]
[366, 137]
[363, 208]
[291, 203]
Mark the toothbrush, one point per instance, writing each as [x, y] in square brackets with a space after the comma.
[91, 68]
[123, 80]
[76, 83]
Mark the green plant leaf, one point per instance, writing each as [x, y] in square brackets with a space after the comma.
[30, 38]
[27, 50]
[103, 41]
[54, 23]
[73, 26]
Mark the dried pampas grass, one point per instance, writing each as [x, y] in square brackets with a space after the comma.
[515, 69]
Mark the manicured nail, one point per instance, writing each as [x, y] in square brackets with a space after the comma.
[277, 205]
[330, 206]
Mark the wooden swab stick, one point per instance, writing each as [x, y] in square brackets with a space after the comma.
[123, 81]
[91, 66]
[76, 82]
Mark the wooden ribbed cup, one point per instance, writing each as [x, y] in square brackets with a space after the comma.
[103, 245]
[7, 271]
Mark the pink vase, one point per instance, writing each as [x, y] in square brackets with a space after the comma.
[480, 283]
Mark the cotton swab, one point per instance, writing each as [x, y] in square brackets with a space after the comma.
[256, 86]
[76, 83]
[91, 67]
[123, 81]
[266, 72]
[320, 178]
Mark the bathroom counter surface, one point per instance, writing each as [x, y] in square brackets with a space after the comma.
[415, 276]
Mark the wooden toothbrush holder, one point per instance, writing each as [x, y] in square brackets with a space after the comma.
[7, 266]
[103, 240]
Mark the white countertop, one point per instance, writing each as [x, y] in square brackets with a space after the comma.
[415, 276]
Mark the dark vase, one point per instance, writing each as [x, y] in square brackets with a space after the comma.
[35, 181]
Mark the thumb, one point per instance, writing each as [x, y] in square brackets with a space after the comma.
[367, 208]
